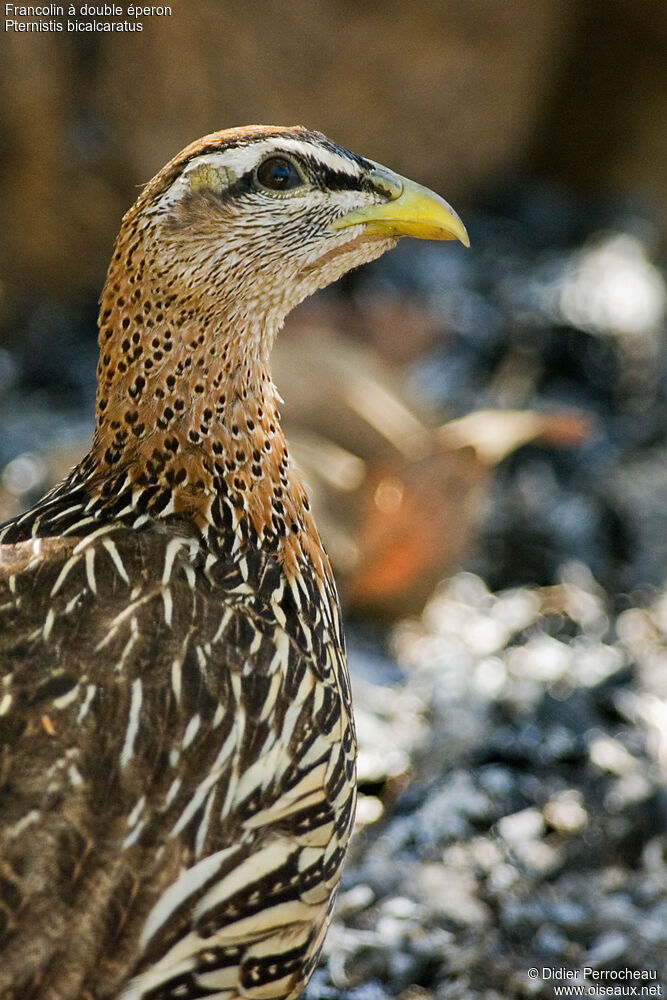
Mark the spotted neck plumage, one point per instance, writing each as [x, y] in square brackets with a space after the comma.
[186, 419]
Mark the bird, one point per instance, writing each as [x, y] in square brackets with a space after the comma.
[177, 745]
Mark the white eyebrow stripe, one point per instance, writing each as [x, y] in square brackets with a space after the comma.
[241, 159]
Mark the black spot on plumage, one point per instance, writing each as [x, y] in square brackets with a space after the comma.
[145, 497]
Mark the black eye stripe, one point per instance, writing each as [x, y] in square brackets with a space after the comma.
[320, 175]
[327, 178]
[338, 180]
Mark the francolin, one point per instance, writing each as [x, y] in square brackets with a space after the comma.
[177, 769]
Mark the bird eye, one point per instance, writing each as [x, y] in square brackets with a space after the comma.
[278, 174]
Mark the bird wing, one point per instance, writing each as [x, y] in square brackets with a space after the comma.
[171, 771]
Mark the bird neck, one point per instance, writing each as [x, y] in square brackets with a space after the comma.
[187, 423]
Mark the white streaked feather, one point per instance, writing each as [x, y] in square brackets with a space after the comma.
[136, 812]
[202, 830]
[110, 546]
[62, 576]
[89, 539]
[133, 722]
[128, 611]
[176, 679]
[170, 554]
[178, 960]
[48, 624]
[168, 606]
[191, 730]
[127, 648]
[83, 711]
[213, 776]
[259, 774]
[249, 872]
[66, 699]
[187, 883]
[173, 791]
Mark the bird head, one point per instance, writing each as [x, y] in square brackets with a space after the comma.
[248, 222]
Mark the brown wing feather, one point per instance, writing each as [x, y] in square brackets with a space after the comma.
[176, 771]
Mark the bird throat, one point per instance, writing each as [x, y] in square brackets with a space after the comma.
[187, 424]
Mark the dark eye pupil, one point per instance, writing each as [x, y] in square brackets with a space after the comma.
[278, 174]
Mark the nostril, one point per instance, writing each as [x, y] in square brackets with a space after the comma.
[386, 182]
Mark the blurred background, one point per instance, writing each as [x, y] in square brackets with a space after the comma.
[483, 432]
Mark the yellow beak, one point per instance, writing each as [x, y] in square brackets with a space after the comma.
[412, 210]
